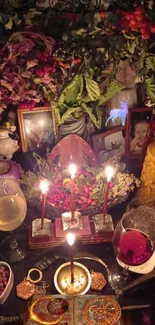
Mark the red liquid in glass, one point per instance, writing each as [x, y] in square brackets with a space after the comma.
[135, 248]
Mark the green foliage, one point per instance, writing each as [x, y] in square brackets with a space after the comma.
[150, 62]
[81, 89]
[93, 89]
[93, 40]
[114, 88]
[150, 87]
[73, 91]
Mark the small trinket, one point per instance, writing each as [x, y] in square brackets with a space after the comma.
[26, 289]
[98, 281]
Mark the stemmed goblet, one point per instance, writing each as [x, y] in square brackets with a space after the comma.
[13, 210]
[133, 244]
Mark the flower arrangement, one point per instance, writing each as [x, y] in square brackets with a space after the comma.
[27, 66]
[81, 52]
[89, 188]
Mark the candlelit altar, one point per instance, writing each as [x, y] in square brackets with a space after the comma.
[79, 191]
[15, 306]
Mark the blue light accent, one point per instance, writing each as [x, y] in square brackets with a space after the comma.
[118, 113]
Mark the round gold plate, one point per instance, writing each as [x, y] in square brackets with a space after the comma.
[82, 279]
[101, 311]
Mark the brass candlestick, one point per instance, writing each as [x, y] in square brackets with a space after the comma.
[82, 279]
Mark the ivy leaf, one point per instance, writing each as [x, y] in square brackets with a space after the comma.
[150, 88]
[9, 24]
[93, 89]
[96, 30]
[30, 15]
[65, 37]
[114, 88]
[150, 63]
[80, 31]
[100, 49]
[132, 47]
[97, 18]
[95, 116]
[73, 92]
[16, 20]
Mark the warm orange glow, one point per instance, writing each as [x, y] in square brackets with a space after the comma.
[109, 173]
[70, 238]
[44, 186]
[34, 317]
[72, 169]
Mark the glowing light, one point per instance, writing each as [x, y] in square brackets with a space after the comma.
[118, 113]
[109, 173]
[70, 238]
[44, 186]
[41, 122]
[72, 169]
[28, 130]
[35, 317]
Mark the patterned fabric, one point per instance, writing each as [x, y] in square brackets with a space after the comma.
[69, 5]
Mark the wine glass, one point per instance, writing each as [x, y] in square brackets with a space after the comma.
[13, 210]
[133, 244]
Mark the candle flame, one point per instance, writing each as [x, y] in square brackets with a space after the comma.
[41, 122]
[44, 186]
[72, 169]
[70, 238]
[109, 173]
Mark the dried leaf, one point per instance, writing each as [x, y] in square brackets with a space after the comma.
[6, 85]
[26, 74]
[31, 64]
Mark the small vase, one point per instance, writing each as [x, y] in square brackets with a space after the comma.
[73, 126]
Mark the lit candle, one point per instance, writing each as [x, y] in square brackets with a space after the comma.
[44, 190]
[109, 173]
[71, 239]
[72, 170]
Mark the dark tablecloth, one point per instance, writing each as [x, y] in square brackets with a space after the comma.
[15, 306]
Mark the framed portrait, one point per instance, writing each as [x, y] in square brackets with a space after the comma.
[109, 144]
[137, 129]
[37, 128]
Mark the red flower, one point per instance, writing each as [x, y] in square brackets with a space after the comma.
[66, 66]
[76, 61]
[102, 14]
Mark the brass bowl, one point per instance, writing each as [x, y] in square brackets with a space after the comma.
[82, 279]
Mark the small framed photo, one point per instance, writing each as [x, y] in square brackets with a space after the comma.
[37, 128]
[138, 128]
[109, 144]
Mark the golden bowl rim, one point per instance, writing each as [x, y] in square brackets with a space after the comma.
[66, 264]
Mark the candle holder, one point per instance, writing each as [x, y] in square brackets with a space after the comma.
[103, 222]
[81, 283]
[41, 229]
[67, 221]
[38, 230]
[103, 225]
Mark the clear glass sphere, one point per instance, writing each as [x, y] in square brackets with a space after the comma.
[13, 206]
